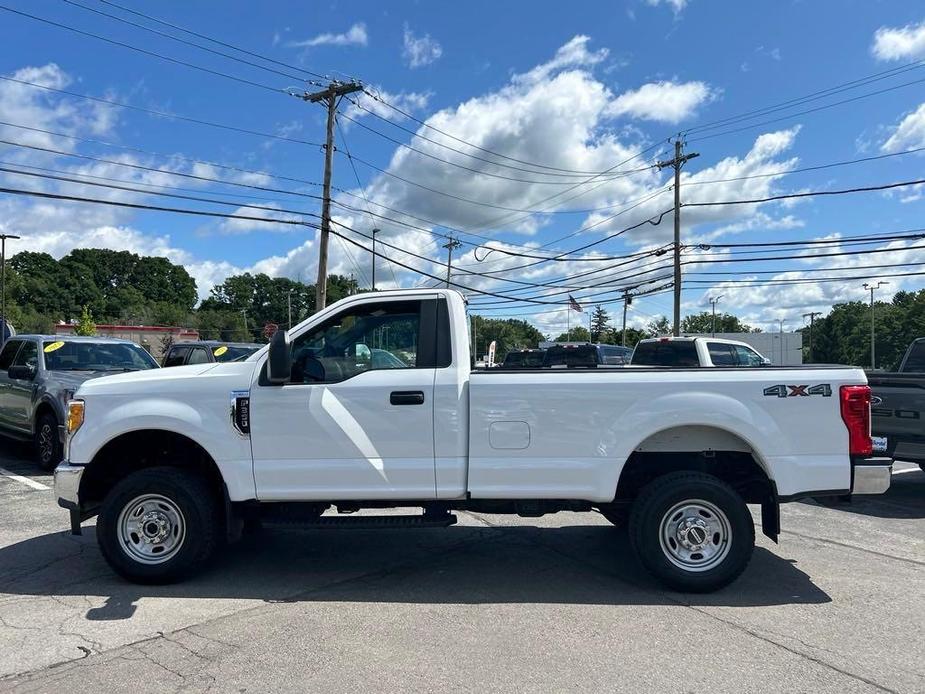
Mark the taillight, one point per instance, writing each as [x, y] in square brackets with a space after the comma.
[855, 411]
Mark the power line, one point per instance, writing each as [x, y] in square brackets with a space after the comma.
[141, 167]
[161, 114]
[810, 194]
[152, 54]
[212, 40]
[188, 43]
[479, 172]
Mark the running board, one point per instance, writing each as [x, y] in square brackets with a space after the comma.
[368, 522]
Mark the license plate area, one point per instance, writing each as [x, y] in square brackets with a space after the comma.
[880, 444]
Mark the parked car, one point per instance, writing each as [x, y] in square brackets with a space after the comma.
[208, 352]
[174, 462]
[587, 355]
[696, 351]
[39, 374]
[898, 407]
[523, 359]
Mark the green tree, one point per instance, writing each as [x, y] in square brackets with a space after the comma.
[577, 334]
[725, 323]
[600, 321]
[85, 325]
[507, 333]
[657, 327]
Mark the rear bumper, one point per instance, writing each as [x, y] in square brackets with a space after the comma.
[67, 485]
[871, 475]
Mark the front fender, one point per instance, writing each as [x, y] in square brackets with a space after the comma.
[208, 424]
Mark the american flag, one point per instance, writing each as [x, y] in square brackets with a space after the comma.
[574, 305]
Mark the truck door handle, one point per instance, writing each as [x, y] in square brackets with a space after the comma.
[407, 397]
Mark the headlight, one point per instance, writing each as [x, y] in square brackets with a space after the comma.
[75, 415]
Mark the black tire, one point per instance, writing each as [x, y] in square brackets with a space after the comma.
[650, 511]
[47, 443]
[201, 522]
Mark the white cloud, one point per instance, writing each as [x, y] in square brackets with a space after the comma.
[666, 102]
[909, 134]
[419, 51]
[573, 54]
[266, 211]
[409, 102]
[676, 5]
[899, 43]
[356, 35]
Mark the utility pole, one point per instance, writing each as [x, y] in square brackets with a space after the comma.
[289, 306]
[627, 300]
[676, 163]
[6, 323]
[375, 231]
[244, 313]
[812, 319]
[449, 246]
[329, 96]
[873, 345]
[713, 301]
[781, 333]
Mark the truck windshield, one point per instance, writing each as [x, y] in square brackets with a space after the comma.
[233, 352]
[65, 355]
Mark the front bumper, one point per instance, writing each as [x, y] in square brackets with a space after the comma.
[871, 475]
[67, 485]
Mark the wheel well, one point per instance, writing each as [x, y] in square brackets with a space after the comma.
[137, 450]
[739, 469]
[44, 408]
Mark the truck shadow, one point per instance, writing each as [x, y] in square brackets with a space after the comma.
[590, 564]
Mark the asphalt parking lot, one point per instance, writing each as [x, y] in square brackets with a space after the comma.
[495, 603]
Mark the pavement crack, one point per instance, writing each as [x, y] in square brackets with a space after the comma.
[857, 548]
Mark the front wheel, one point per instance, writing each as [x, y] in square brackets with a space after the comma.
[692, 531]
[48, 449]
[159, 525]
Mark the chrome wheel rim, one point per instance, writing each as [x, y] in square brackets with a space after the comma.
[695, 535]
[151, 529]
[46, 443]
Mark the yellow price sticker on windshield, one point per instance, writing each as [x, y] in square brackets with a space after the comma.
[53, 346]
[219, 351]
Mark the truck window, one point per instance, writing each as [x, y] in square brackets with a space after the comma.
[198, 355]
[363, 338]
[28, 355]
[721, 354]
[666, 353]
[9, 351]
[176, 356]
[746, 356]
[915, 361]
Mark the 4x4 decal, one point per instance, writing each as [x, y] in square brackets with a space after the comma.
[785, 391]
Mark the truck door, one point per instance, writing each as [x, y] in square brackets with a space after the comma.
[22, 390]
[6, 361]
[356, 420]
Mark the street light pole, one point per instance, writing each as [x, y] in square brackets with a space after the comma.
[713, 301]
[6, 323]
[873, 345]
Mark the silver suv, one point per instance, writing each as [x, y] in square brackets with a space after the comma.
[39, 374]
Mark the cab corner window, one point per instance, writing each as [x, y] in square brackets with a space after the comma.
[198, 355]
[363, 338]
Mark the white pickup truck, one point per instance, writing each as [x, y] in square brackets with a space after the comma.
[372, 403]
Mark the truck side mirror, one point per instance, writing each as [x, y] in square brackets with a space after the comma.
[21, 372]
[279, 363]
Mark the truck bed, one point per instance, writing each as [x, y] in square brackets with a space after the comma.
[549, 432]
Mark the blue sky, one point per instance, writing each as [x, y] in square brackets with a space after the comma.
[575, 86]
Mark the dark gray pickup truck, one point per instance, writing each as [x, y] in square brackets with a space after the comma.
[898, 408]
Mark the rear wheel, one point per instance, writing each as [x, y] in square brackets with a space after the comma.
[692, 531]
[159, 525]
[48, 449]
